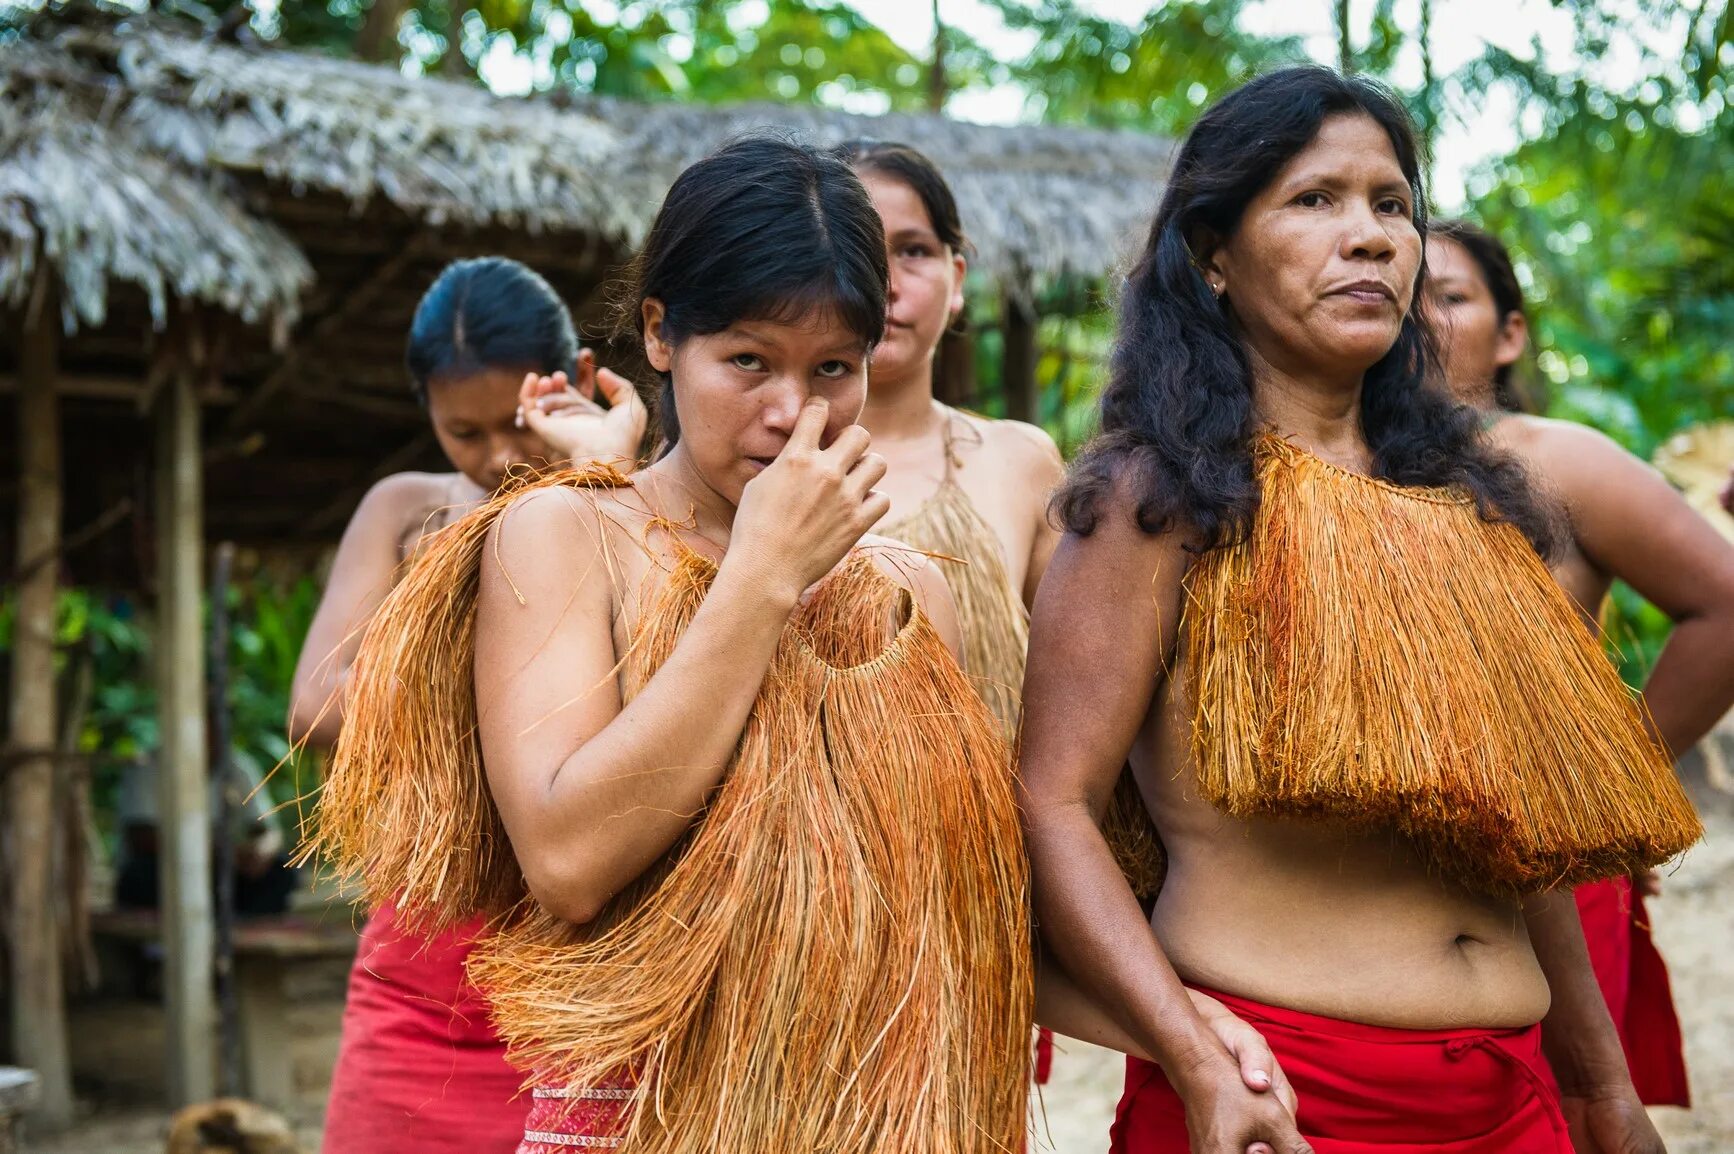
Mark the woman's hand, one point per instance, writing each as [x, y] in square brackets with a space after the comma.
[576, 427]
[1224, 1117]
[1610, 1122]
[809, 507]
[1259, 1069]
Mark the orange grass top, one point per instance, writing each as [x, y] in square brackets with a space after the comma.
[1383, 656]
[835, 957]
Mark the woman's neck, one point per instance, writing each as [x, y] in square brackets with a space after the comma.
[680, 493]
[900, 409]
[1322, 411]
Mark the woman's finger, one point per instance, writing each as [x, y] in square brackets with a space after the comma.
[617, 390]
[568, 403]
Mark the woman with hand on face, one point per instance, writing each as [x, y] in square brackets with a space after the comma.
[701, 748]
[1291, 584]
[1625, 522]
[489, 353]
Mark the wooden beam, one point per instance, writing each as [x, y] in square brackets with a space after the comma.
[100, 387]
[1019, 366]
[316, 338]
[183, 800]
[345, 503]
[38, 1004]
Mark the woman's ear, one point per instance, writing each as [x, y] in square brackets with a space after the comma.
[657, 348]
[959, 270]
[1513, 339]
[1207, 255]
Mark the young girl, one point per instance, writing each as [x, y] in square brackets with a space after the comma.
[1625, 522]
[765, 827]
[489, 353]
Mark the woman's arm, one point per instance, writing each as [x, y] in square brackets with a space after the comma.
[361, 576]
[1632, 525]
[1579, 1037]
[591, 793]
[1038, 467]
[1104, 626]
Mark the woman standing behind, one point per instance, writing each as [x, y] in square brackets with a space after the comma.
[489, 353]
[960, 485]
[1625, 522]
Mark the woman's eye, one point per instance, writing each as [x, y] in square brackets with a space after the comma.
[832, 370]
[914, 252]
[1393, 206]
[462, 434]
[1311, 200]
[747, 361]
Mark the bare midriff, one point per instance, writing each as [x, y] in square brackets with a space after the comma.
[1314, 916]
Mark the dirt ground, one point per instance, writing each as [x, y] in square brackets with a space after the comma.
[118, 1043]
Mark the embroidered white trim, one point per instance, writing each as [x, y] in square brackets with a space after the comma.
[548, 1138]
[597, 1094]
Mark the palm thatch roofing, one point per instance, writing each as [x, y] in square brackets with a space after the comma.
[304, 203]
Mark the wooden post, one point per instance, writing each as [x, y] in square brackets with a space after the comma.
[1018, 371]
[38, 1005]
[184, 824]
[954, 369]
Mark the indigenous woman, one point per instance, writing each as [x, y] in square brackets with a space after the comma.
[969, 490]
[748, 831]
[1625, 522]
[490, 352]
[1291, 584]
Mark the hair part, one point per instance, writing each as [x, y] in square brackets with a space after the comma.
[488, 313]
[766, 229]
[911, 167]
[1498, 273]
[1178, 425]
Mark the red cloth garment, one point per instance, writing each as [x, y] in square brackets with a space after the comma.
[419, 1070]
[1377, 1090]
[1044, 1055]
[1634, 981]
[591, 1118]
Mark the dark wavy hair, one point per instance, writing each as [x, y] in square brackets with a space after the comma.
[1177, 419]
[488, 313]
[1493, 261]
[767, 229]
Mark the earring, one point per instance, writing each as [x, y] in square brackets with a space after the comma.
[1216, 289]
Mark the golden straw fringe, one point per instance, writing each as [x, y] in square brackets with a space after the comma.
[1381, 655]
[837, 956]
[405, 815]
[990, 612]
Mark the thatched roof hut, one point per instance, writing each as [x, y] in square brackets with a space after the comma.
[303, 204]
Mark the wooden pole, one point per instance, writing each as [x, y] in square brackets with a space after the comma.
[184, 829]
[38, 1005]
[1345, 43]
[231, 799]
[1019, 367]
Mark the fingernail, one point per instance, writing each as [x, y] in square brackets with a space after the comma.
[1260, 1077]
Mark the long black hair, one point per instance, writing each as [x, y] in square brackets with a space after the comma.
[1177, 419]
[1493, 261]
[763, 229]
[488, 313]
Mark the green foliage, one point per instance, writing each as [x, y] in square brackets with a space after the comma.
[1158, 75]
[114, 635]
